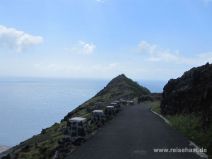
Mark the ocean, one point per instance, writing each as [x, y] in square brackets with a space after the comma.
[29, 104]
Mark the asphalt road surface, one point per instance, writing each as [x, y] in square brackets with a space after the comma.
[134, 134]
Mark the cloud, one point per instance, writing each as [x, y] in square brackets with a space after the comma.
[97, 70]
[12, 38]
[82, 48]
[206, 1]
[80, 67]
[100, 1]
[157, 54]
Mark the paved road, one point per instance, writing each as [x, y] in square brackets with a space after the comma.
[133, 134]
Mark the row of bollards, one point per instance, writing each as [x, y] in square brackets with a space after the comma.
[79, 126]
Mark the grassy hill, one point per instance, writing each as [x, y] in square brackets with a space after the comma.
[55, 138]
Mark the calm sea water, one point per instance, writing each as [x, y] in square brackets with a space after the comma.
[28, 105]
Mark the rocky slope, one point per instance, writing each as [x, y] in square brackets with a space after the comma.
[54, 138]
[192, 92]
[188, 100]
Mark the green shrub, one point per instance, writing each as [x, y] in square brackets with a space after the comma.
[190, 126]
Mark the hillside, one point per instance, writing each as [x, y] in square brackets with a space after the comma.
[188, 101]
[192, 92]
[117, 88]
[54, 138]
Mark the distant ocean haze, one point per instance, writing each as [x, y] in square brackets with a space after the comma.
[28, 105]
[155, 86]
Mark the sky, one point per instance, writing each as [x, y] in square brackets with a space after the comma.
[144, 39]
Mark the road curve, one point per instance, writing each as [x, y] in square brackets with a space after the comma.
[133, 134]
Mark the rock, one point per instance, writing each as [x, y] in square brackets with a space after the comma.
[192, 92]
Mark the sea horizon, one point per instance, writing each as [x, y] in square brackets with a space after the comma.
[29, 105]
[155, 86]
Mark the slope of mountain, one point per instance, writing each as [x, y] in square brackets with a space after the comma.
[189, 100]
[117, 88]
[54, 139]
[190, 93]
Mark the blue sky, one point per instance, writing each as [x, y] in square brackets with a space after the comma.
[145, 39]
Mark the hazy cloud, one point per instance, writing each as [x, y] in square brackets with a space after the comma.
[100, 1]
[207, 1]
[18, 40]
[84, 70]
[80, 67]
[82, 48]
[156, 54]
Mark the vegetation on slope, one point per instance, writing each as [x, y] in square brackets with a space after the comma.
[190, 126]
[54, 138]
[187, 102]
[190, 93]
[117, 88]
